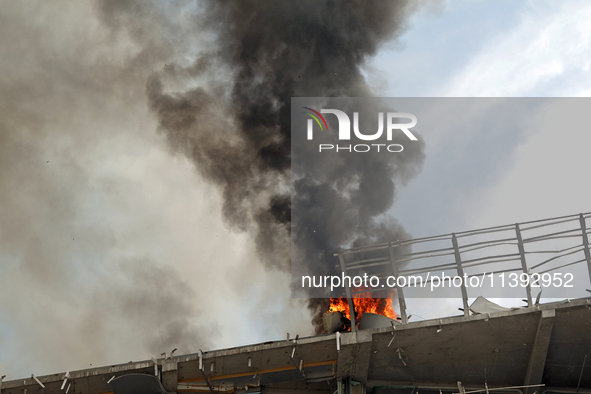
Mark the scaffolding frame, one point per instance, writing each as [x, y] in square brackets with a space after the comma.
[392, 257]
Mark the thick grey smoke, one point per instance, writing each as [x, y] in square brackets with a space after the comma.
[237, 130]
[87, 275]
[106, 255]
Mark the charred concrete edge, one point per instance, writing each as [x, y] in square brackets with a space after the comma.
[347, 338]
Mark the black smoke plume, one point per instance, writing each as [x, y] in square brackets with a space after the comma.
[234, 121]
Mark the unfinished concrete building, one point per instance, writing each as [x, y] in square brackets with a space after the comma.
[535, 348]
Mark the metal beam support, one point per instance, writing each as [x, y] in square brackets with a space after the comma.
[399, 292]
[539, 352]
[586, 244]
[207, 381]
[581, 375]
[203, 372]
[523, 264]
[349, 297]
[461, 388]
[38, 381]
[298, 367]
[454, 241]
[66, 377]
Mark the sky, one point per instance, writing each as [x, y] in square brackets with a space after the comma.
[114, 247]
[539, 49]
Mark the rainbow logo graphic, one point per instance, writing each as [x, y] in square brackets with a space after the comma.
[315, 116]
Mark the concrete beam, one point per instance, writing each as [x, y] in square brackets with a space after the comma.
[354, 357]
[355, 347]
[170, 375]
[537, 359]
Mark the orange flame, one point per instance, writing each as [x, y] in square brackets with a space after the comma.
[381, 306]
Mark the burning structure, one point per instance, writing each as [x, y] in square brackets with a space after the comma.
[235, 129]
[542, 348]
[538, 348]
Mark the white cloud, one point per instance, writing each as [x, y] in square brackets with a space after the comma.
[547, 53]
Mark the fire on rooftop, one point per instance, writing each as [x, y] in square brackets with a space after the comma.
[536, 348]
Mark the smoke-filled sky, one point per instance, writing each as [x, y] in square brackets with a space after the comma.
[129, 228]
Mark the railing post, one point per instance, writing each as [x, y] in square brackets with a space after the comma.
[399, 292]
[349, 297]
[586, 244]
[454, 241]
[523, 264]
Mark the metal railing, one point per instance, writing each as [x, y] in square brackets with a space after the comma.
[530, 248]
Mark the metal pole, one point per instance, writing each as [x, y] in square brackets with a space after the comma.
[201, 369]
[454, 241]
[586, 244]
[523, 264]
[349, 297]
[399, 292]
[581, 375]
[298, 367]
[461, 388]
